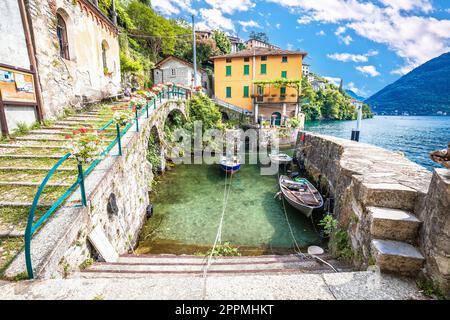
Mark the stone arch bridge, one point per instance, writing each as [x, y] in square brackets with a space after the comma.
[117, 193]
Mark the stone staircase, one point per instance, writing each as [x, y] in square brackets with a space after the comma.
[394, 233]
[24, 162]
[142, 266]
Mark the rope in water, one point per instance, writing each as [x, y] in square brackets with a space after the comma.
[218, 238]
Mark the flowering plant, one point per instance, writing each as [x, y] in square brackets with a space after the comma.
[85, 145]
[122, 117]
[169, 84]
[137, 103]
[198, 88]
[156, 89]
[150, 95]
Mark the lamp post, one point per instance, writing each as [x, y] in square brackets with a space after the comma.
[356, 132]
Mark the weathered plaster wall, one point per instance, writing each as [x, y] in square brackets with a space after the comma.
[67, 82]
[13, 48]
[359, 176]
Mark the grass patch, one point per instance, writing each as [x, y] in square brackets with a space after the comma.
[9, 248]
[37, 176]
[36, 163]
[26, 194]
[222, 250]
[17, 216]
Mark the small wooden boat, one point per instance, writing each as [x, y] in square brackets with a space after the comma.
[280, 158]
[301, 194]
[230, 165]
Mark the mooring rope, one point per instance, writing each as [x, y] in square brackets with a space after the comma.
[218, 238]
[297, 247]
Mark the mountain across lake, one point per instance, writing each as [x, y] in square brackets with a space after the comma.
[423, 91]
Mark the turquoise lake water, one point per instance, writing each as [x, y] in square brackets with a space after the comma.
[188, 206]
[416, 137]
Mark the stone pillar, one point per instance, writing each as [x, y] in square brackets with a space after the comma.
[284, 109]
[256, 113]
[296, 110]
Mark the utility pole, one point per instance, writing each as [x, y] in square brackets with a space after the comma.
[194, 46]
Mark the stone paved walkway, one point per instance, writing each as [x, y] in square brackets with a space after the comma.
[332, 286]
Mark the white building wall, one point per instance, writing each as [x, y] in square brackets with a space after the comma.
[13, 48]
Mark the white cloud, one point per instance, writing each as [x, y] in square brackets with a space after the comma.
[408, 5]
[212, 19]
[249, 24]
[360, 92]
[290, 46]
[368, 70]
[347, 57]
[340, 31]
[231, 6]
[340, 34]
[278, 26]
[334, 80]
[416, 39]
[321, 33]
[172, 7]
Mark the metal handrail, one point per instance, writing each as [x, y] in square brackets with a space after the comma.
[32, 227]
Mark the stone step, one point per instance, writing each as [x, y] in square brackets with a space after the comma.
[42, 139]
[12, 146]
[30, 156]
[144, 266]
[33, 184]
[23, 204]
[393, 224]
[25, 151]
[35, 169]
[388, 195]
[397, 257]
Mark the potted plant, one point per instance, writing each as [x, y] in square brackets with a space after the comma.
[85, 145]
[122, 118]
[137, 103]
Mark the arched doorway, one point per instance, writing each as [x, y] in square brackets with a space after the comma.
[224, 116]
[276, 119]
[105, 48]
[63, 40]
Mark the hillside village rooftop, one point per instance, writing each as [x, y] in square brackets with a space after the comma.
[261, 52]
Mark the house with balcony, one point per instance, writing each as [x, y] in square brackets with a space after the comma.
[236, 77]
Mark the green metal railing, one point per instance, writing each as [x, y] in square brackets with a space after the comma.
[32, 226]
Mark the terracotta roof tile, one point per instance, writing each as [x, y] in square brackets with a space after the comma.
[260, 52]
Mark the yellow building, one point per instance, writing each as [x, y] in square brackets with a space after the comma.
[235, 74]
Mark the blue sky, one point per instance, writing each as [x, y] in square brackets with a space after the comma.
[369, 44]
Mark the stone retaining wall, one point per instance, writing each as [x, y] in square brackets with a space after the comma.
[359, 176]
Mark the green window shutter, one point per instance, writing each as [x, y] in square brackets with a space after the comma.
[228, 92]
[246, 70]
[282, 90]
[264, 69]
[246, 91]
[284, 74]
[228, 72]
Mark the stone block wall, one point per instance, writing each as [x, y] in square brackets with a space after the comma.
[434, 211]
[359, 176]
